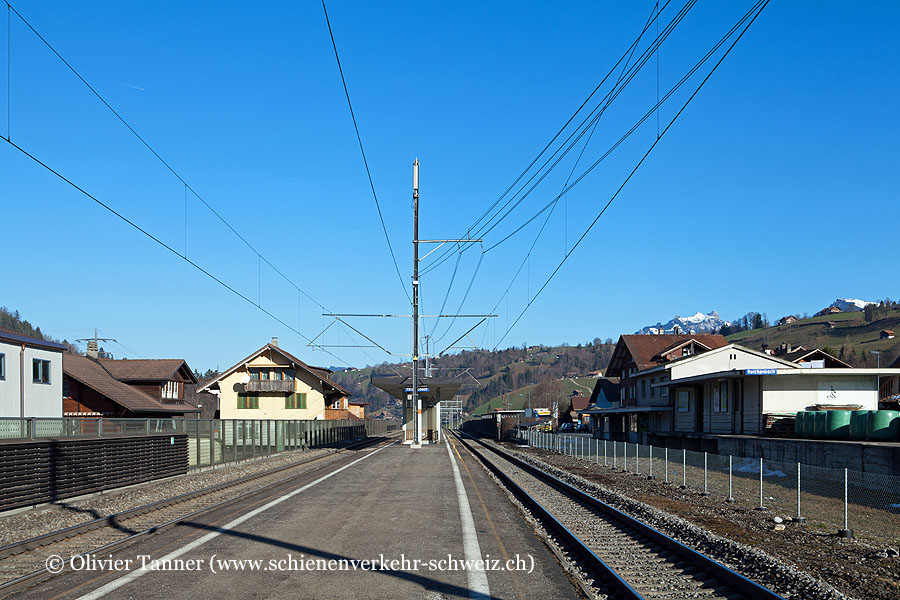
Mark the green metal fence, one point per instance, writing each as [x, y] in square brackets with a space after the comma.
[210, 441]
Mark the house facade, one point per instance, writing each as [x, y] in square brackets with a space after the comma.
[644, 406]
[31, 378]
[154, 388]
[273, 384]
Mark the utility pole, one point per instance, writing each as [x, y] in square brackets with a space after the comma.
[417, 403]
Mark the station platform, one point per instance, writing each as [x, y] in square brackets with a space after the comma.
[397, 504]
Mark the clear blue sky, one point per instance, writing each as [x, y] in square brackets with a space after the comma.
[776, 190]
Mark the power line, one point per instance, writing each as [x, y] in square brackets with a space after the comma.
[757, 8]
[363, 152]
[630, 49]
[157, 155]
[158, 241]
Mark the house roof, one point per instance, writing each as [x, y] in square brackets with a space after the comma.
[803, 355]
[153, 369]
[609, 387]
[18, 338]
[645, 350]
[94, 375]
[319, 372]
[887, 331]
[580, 402]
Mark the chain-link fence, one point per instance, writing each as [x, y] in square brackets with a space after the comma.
[837, 501]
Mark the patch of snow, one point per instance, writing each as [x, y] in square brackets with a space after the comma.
[851, 304]
[751, 465]
[697, 323]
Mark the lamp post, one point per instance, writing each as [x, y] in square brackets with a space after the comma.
[877, 353]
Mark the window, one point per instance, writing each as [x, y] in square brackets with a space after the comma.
[2, 366]
[664, 392]
[254, 374]
[263, 374]
[170, 390]
[247, 401]
[720, 397]
[295, 400]
[686, 351]
[40, 370]
[684, 401]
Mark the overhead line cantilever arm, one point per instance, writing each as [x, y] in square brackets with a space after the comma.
[462, 336]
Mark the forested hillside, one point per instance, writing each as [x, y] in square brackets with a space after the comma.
[487, 374]
[13, 321]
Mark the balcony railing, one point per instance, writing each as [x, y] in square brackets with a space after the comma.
[270, 385]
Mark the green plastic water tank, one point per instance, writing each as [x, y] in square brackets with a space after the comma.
[883, 425]
[819, 424]
[859, 421]
[806, 423]
[837, 424]
[798, 423]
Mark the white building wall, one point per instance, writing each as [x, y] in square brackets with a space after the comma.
[725, 359]
[792, 393]
[9, 386]
[43, 400]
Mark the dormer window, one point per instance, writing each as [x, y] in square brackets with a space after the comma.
[687, 351]
[170, 391]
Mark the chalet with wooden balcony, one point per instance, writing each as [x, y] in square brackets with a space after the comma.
[272, 383]
[94, 387]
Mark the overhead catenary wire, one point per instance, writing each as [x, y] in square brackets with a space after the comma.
[441, 258]
[755, 12]
[159, 241]
[363, 152]
[158, 156]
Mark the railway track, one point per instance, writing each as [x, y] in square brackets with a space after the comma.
[627, 558]
[23, 562]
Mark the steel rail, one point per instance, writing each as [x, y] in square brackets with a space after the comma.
[39, 541]
[737, 582]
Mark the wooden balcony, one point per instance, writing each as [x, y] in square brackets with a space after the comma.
[285, 386]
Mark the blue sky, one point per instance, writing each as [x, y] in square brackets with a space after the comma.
[775, 191]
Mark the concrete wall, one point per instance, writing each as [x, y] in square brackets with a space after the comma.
[41, 399]
[271, 405]
[870, 457]
[792, 393]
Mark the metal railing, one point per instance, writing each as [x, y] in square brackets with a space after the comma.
[210, 441]
[842, 501]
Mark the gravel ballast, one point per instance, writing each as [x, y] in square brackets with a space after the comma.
[749, 541]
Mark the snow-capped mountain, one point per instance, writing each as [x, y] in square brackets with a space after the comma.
[698, 323]
[851, 304]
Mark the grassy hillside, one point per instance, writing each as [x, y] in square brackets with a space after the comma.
[518, 398]
[851, 338]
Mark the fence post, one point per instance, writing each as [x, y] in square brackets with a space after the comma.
[32, 428]
[212, 442]
[147, 426]
[798, 518]
[625, 456]
[100, 427]
[650, 476]
[846, 532]
[683, 469]
[666, 462]
[615, 459]
[730, 497]
[197, 444]
[705, 491]
[637, 459]
[761, 506]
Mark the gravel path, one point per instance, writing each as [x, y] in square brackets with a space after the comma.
[747, 558]
[24, 525]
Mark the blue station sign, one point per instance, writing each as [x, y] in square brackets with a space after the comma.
[760, 371]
